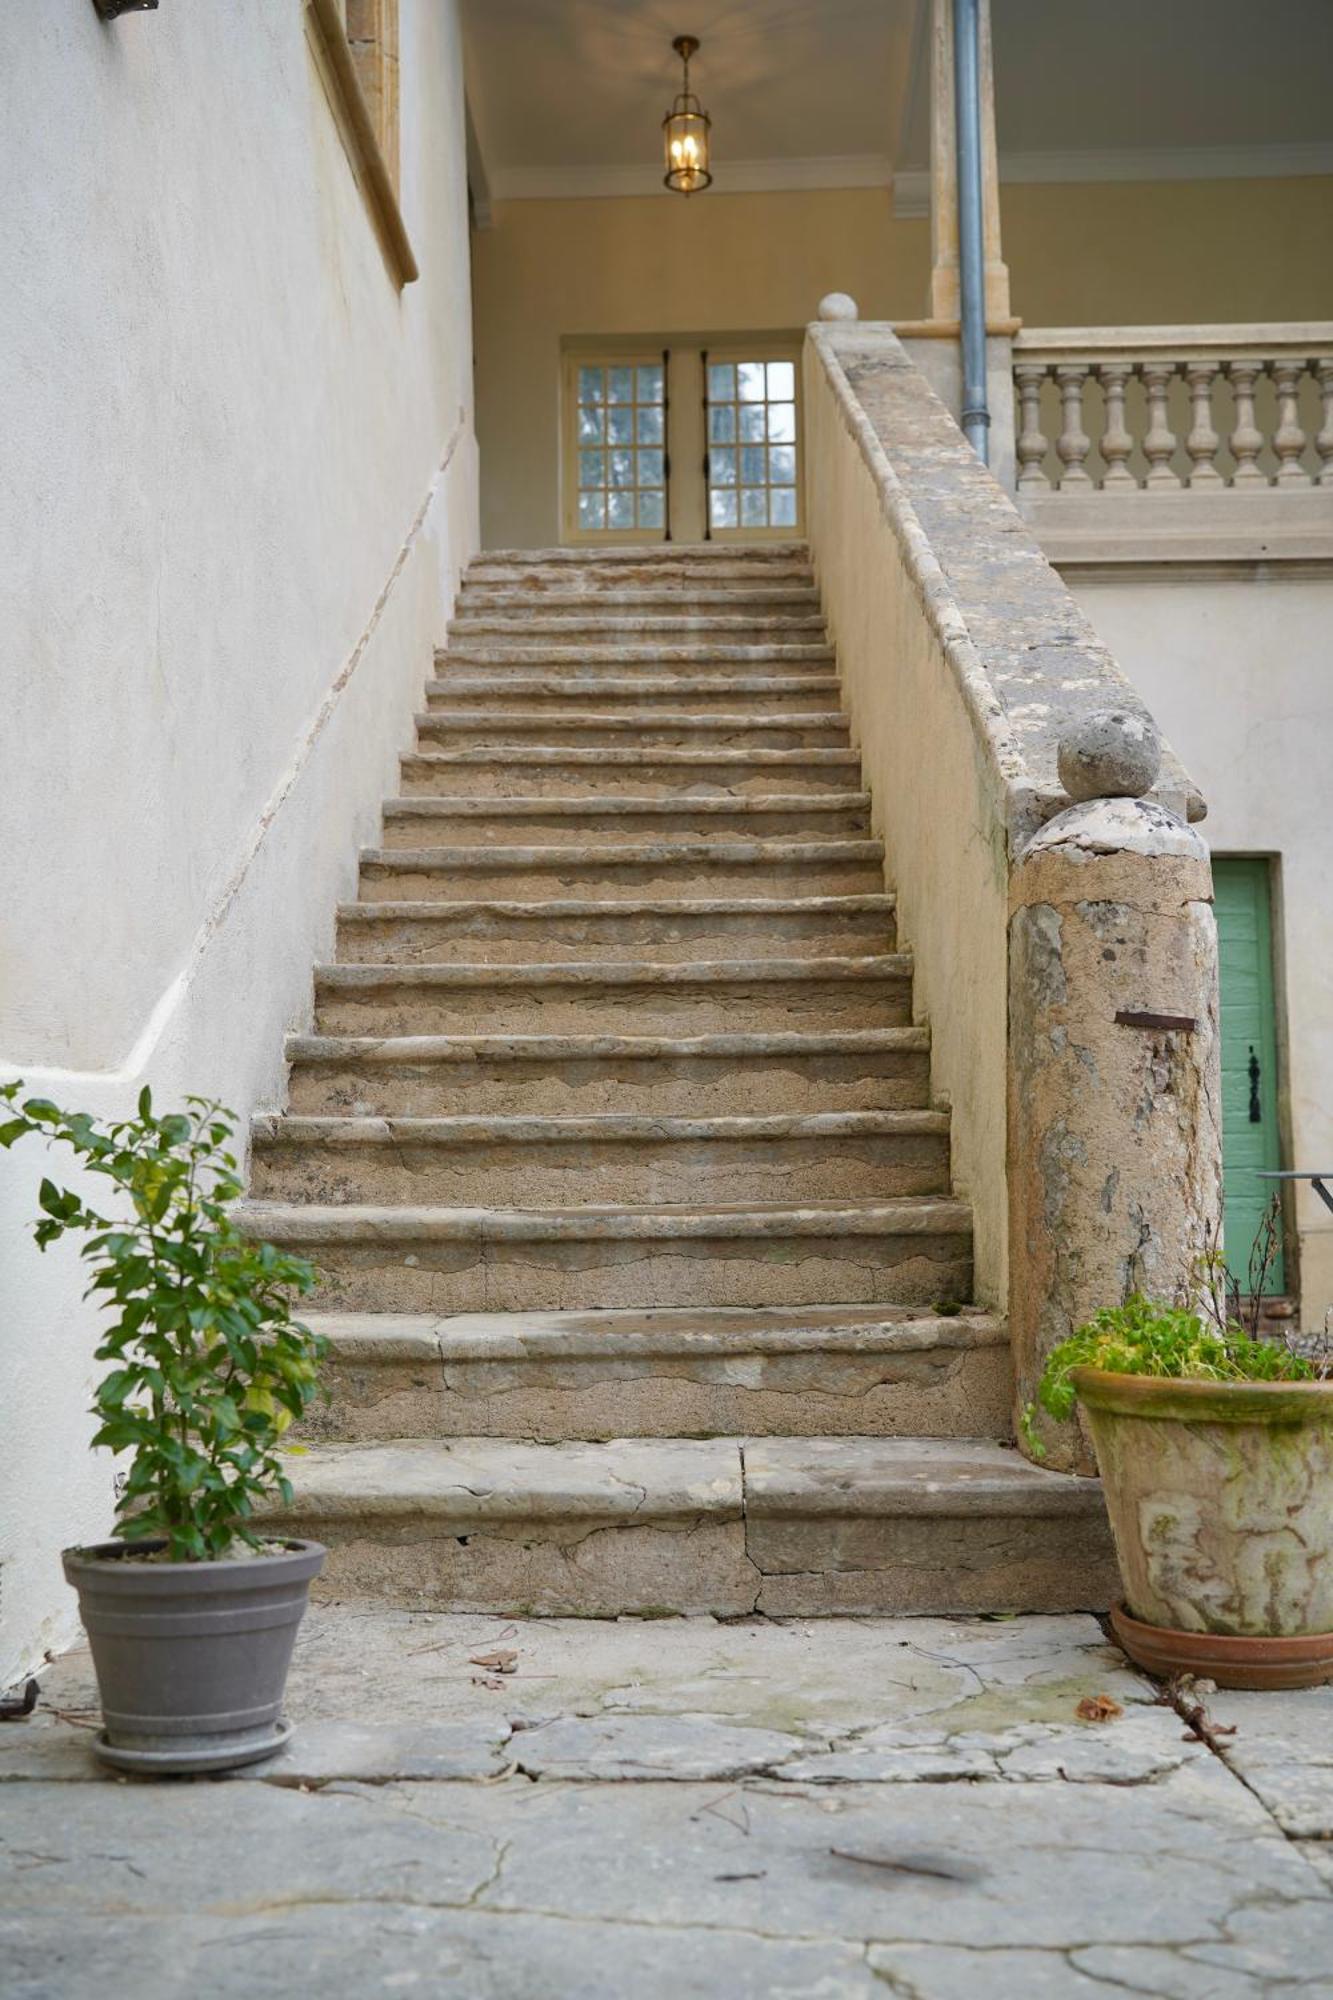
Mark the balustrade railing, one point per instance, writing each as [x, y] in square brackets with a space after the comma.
[1177, 408]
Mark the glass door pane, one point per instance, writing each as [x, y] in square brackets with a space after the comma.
[753, 446]
[620, 464]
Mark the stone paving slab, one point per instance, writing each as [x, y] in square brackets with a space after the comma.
[684, 1807]
[1283, 1749]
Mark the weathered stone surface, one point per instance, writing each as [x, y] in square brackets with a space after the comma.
[776, 995]
[501, 1260]
[1114, 1118]
[551, 1376]
[919, 1524]
[622, 1747]
[356, 1949]
[1283, 1750]
[513, 1159]
[1109, 753]
[675, 1821]
[558, 929]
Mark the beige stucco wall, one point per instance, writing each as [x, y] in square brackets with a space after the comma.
[230, 540]
[1094, 255]
[1234, 664]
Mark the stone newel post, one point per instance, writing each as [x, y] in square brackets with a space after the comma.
[1114, 1144]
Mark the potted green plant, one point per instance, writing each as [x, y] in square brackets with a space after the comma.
[191, 1612]
[1215, 1449]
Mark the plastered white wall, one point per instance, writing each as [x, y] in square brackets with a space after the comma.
[240, 485]
[1235, 666]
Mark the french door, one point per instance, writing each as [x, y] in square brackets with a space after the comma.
[686, 443]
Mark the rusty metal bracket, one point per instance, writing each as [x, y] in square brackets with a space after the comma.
[1181, 1024]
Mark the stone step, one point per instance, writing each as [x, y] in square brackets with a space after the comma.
[415, 933]
[573, 690]
[635, 729]
[465, 655]
[788, 1526]
[606, 623]
[703, 997]
[659, 562]
[634, 870]
[538, 772]
[804, 1371]
[866, 1069]
[749, 597]
[515, 821]
[525, 1160]
[915, 1251]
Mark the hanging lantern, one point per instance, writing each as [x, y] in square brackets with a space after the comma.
[685, 130]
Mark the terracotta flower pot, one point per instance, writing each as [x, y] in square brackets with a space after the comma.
[1221, 1503]
[191, 1658]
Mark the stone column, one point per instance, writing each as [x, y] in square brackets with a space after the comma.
[1114, 1138]
[944, 292]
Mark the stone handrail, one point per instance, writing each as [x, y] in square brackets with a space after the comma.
[1060, 948]
[1162, 409]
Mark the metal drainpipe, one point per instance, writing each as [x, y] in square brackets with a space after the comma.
[971, 243]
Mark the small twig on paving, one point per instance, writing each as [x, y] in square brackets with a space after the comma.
[902, 1865]
[1179, 1693]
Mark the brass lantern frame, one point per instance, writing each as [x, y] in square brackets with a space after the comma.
[687, 119]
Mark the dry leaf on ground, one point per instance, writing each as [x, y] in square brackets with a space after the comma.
[1098, 1708]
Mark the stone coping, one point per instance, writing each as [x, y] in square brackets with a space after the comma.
[1026, 660]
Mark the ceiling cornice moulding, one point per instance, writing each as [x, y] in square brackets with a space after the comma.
[1288, 161]
[850, 170]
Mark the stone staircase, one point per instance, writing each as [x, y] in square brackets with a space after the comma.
[614, 1145]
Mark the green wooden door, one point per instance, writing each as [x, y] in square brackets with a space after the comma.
[1249, 1057]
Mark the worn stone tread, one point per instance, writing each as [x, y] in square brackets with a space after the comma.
[349, 1222]
[888, 1476]
[623, 806]
[604, 1127]
[707, 1330]
[395, 1049]
[621, 972]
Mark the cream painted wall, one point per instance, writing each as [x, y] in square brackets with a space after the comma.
[717, 262]
[231, 538]
[1095, 255]
[1234, 665]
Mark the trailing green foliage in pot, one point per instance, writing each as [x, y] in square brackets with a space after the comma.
[1171, 1343]
[207, 1365]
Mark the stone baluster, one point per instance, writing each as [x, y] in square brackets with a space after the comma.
[1247, 440]
[1159, 442]
[1203, 440]
[1073, 444]
[1032, 444]
[1117, 442]
[1289, 437]
[1324, 441]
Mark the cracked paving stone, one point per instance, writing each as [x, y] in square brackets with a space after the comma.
[364, 1949]
[1283, 1750]
[1142, 1746]
[1050, 1866]
[649, 1746]
[228, 1849]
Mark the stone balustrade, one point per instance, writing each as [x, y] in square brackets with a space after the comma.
[1234, 420]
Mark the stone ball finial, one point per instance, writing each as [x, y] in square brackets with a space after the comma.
[1110, 753]
[838, 305]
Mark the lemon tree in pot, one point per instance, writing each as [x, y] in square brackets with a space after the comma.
[1216, 1455]
[191, 1611]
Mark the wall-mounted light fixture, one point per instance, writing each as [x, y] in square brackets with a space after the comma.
[685, 129]
[109, 9]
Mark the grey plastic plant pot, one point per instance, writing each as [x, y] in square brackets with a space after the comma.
[191, 1658]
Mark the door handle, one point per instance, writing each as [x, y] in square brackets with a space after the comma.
[1256, 1110]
